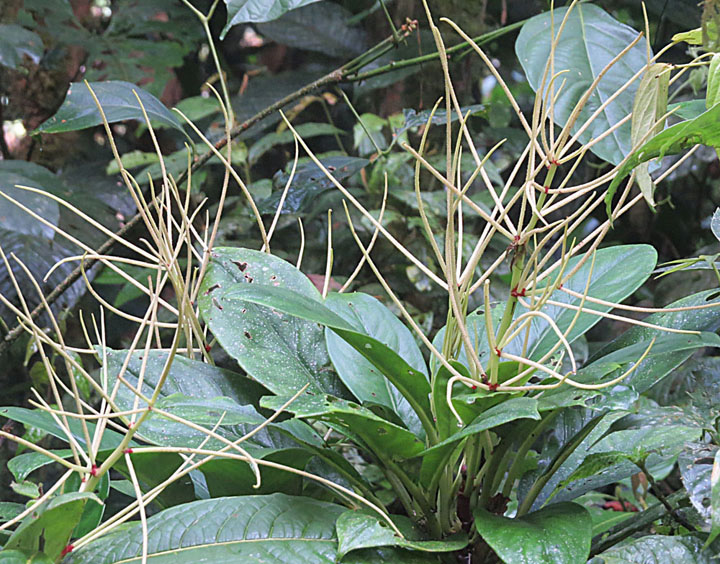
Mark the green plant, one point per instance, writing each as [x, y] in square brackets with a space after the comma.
[486, 446]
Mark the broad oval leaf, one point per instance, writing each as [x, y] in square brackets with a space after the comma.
[590, 39]
[360, 375]
[14, 218]
[256, 11]
[250, 529]
[118, 101]
[558, 534]
[280, 351]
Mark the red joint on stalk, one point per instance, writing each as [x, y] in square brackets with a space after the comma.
[546, 189]
[498, 351]
[93, 470]
[515, 294]
[128, 451]
[67, 550]
[473, 387]
[560, 287]
[492, 386]
[207, 348]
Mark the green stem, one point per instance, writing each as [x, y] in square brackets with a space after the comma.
[523, 449]
[495, 459]
[555, 465]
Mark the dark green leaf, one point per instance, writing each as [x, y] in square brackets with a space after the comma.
[687, 110]
[248, 530]
[54, 522]
[361, 376]
[558, 534]
[657, 366]
[309, 182]
[590, 39]
[255, 11]
[320, 27]
[17, 42]
[415, 119]
[13, 218]
[22, 465]
[357, 530]
[118, 101]
[381, 436]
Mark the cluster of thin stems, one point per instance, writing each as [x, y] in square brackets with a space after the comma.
[536, 209]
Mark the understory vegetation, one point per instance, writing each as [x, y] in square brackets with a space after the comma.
[359, 281]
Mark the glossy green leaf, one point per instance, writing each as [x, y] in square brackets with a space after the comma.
[10, 510]
[684, 135]
[22, 465]
[51, 524]
[356, 530]
[590, 39]
[679, 347]
[411, 383]
[379, 434]
[322, 27]
[652, 549]
[712, 94]
[361, 376]
[17, 42]
[209, 395]
[251, 529]
[13, 218]
[558, 534]
[119, 103]
[255, 11]
[280, 351]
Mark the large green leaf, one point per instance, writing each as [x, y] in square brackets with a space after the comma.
[411, 383]
[280, 351]
[653, 549]
[255, 11]
[360, 375]
[17, 42]
[252, 530]
[119, 103]
[322, 27]
[356, 530]
[379, 434]
[48, 528]
[590, 40]
[204, 394]
[558, 534]
[684, 135]
[13, 218]
[656, 366]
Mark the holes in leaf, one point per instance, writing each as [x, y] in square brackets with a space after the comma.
[241, 265]
[712, 296]
[382, 431]
[247, 335]
[212, 288]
